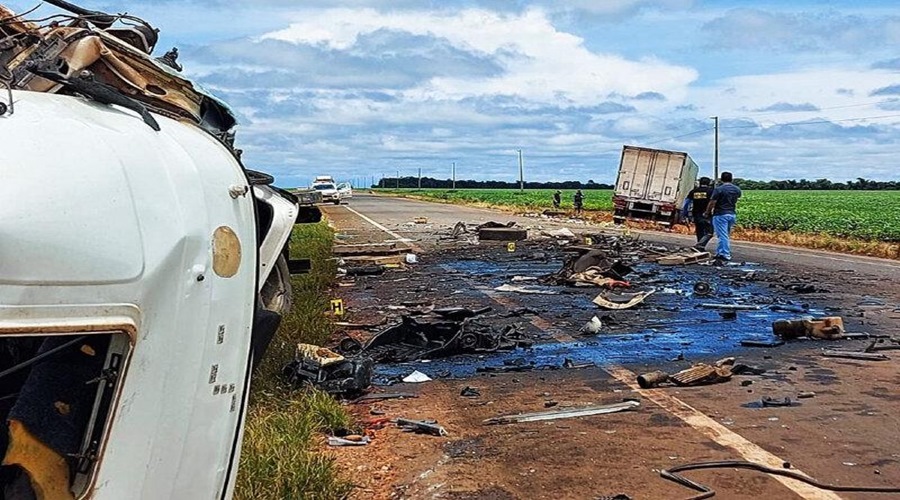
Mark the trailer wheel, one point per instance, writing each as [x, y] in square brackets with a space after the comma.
[618, 220]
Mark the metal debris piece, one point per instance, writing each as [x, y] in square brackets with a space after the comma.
[384, 396]
[864, 356]
[829, 328]
[329, 371]
[652, 379]
[532, 290]
[610, 300]
[769, 402]
[731, 307]
[806, 395]
[560, 414]
[702, 288]
[701, 374]
[502, 234]
[470, 392]
[421, 426]
[337, 441]
[761, 343]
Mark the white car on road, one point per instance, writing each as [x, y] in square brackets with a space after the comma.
[345, 190]
[329, 192]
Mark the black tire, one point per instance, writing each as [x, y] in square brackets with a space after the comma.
[337, 202]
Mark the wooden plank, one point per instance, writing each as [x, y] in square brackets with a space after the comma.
[370, 249]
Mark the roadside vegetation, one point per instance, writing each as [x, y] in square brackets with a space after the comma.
[282, 456]
[864, 222]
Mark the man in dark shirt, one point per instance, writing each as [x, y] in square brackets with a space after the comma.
[579, 202]
[557, 198]
[722, 207]
[695, 204]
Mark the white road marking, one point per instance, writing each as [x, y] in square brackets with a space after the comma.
[720, 434]
[379, 226]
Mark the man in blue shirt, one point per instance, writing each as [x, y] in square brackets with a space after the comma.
[722, 207]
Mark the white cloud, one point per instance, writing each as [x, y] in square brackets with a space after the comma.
[541, 63]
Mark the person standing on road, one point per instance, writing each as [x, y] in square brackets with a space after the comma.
[722, 207]
[695, 207]
[579, 202]
[557, 198]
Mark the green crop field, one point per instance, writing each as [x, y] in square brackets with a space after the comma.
[868, 215]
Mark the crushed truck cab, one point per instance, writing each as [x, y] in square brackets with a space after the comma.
[143, 270]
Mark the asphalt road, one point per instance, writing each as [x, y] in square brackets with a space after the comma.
[395, 214]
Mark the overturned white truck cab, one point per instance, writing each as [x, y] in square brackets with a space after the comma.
[143, 270]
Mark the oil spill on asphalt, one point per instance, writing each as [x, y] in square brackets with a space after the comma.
[668, 325]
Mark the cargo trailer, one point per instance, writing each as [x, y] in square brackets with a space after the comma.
[652, 184]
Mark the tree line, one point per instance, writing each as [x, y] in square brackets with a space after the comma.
[432, 183]
[778, 185]
[819, 184]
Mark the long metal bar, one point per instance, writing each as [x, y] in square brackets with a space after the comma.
[560, 414]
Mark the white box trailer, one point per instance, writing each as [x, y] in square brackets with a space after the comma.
[652, 184]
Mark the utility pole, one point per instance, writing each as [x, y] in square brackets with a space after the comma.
[420, 177]
[716, 163]
[453, 170]
[521, 173]
[398, 179]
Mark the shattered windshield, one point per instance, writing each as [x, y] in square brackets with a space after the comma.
[323, 187]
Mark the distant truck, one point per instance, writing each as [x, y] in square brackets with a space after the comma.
[652, 184]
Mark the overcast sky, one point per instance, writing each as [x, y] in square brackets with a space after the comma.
[354, 88]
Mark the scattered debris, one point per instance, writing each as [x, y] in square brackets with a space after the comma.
[731, 307]
[829, 328]
[416, 377]
[682, 259]
[761, 343]
[561, 234]
[560, 414]
[611, 300]
[769, 402]
[533, 290]
[421, 427]
[702, 288]
[571, 365]
[384, 396]
[329, 371]
[864, 356]
[428, 337]
[421, 220]
[806, 395]
[470, 392]
[411, 258]
[592, 327]
[502, 233]
[365, 271]
[652, 379]
[702, 374]
[348, 441]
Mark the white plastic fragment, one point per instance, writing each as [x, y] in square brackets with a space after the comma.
[416, 377]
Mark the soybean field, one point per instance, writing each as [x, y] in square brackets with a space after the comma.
[866, 215]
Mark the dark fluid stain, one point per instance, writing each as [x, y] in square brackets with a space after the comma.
[667, 325]
[661, 419]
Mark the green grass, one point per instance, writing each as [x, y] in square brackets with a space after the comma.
[281, 456]
[864, 215]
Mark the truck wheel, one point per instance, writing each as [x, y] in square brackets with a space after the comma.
[277, 294]
[337, 202]
[618, 220]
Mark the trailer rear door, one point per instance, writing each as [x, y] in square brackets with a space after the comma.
[633, 173]
[665, 175]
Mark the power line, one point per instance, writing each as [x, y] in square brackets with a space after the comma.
[883, 101]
